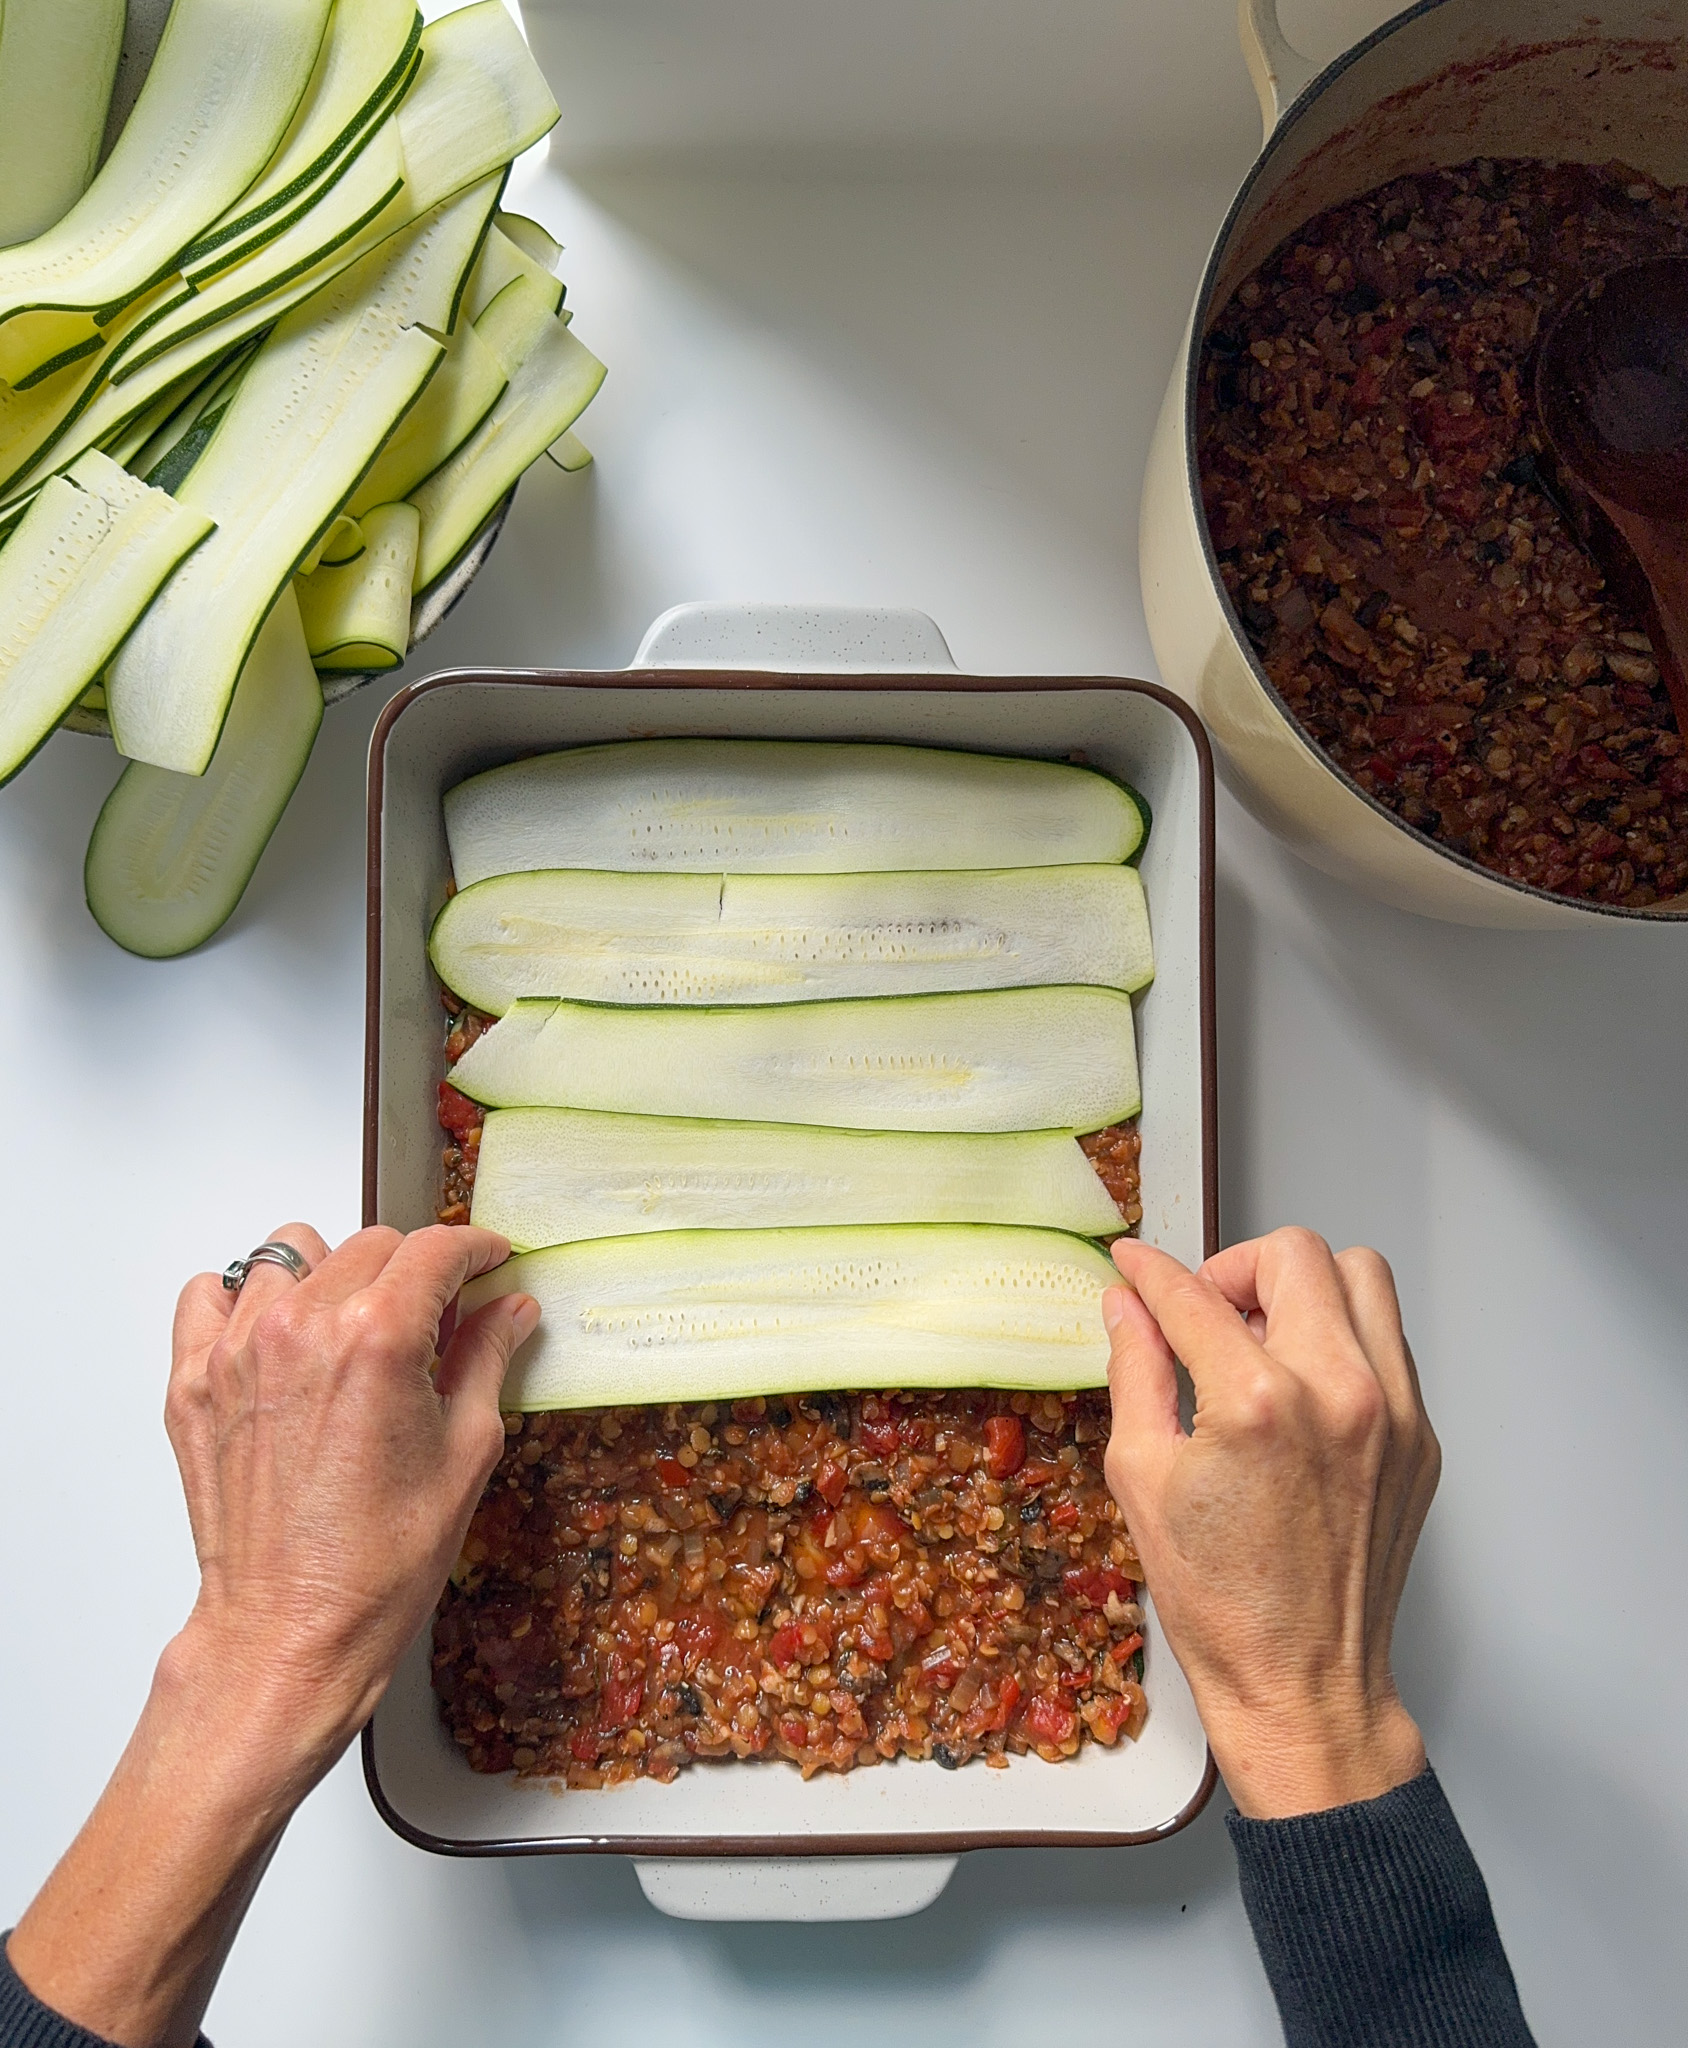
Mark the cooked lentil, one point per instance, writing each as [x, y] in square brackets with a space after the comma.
[1408, 568]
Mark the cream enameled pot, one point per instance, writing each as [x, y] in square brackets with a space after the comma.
[1575, 80]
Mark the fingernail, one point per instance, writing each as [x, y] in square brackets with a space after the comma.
[1113, 1308]
[524, 1317]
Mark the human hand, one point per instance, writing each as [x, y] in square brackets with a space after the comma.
[330, 1476]
[1276, 1535]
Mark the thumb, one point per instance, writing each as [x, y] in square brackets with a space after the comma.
[471, 1372]
[1143, 1386]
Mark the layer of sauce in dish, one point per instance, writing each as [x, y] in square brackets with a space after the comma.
[1408, 569]
[834, 1579]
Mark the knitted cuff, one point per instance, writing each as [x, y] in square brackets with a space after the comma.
[26, 2023]
[1374, 1924]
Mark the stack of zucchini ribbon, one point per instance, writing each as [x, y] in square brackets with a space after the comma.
[265, 375]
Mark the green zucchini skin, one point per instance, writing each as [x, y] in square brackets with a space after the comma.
[86, 560]
[232, 70]
[311, 414]
[720, 939]
[548, 391]
[171, 855]
[783, 807]
[554, 1176]
[722, 1315]
[1005, 1060]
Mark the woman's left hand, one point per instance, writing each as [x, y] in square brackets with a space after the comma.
[332, 1453]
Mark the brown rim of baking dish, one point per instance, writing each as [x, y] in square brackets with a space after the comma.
[728, 1847]
[1673, 909]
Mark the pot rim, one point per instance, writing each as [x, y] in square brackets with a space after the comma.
[1270, 151]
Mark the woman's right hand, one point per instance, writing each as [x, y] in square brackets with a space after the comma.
[1276, 1535]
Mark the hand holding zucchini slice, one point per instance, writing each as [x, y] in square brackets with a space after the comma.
[665, 938]
[720, 1315]
[1019, 1059]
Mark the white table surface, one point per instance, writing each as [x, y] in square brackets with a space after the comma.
[920, 375]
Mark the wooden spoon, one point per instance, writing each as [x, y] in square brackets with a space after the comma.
[1612, 398]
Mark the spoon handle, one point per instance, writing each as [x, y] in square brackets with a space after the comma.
[1660, 546]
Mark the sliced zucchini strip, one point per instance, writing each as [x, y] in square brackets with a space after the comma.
[479, 101]
[1023, 1059]
[569, 452]
[515, 323]
[722, 1315]
[83, 564]
[365, 60]
[223, 86]
[342, 543]
[358, 616]
[552, 1176]
[783, 807]
[58, 59]
[353, 214]
[312, 412]
[467, 385]
[171, 855]
[501, 263]
[548, 392]
[535, 241]
[709, 939]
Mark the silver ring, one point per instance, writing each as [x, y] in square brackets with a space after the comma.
[272, 1254]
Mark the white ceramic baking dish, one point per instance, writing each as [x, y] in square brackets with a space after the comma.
[719, 1842]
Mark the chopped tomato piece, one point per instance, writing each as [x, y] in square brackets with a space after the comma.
[1122, 1653]
[881, 1436]
[786, 1645]
[1038, 1472]
[583, 1747]
[623, 1696]
[1092, 1583]
[848, 1568]
[672, 1473]
[1065, 1516]
[1050, 1720]
[830, 1483]
[697, 1634]
[1005, 1445]
[457, 1113]
[879, 1527]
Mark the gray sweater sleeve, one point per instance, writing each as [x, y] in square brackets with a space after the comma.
[1374, 1924]
[26, 2023]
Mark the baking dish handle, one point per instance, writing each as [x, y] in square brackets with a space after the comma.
[1279, 71]
[793, 1888]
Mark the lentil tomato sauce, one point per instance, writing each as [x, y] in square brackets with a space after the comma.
[835, 1579]
[1411, 573]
